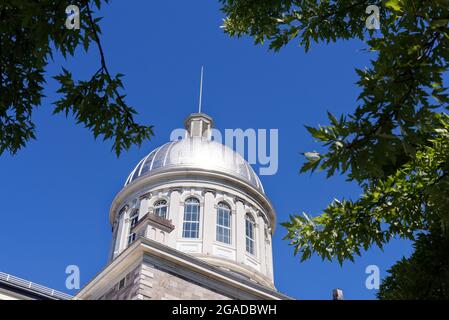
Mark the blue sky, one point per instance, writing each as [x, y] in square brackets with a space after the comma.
[56, 193]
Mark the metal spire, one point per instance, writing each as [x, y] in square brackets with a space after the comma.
[201, 91]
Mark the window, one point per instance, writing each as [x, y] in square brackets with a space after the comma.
[134, 217]
[121, 284]
[224, 223]
[131, 238]
[250, 236]
[191, 223]
[160, 209]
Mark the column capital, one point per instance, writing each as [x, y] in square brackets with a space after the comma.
[238, 199]
[213, 191]
[146, 196]
[175, 189]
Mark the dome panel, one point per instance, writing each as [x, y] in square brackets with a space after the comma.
[198, 153]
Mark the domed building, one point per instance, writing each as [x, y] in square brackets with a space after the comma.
[191, 222]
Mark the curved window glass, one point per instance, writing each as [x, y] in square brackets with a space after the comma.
[191, 224]
[224, 223]
[250, 234]
[160, 209]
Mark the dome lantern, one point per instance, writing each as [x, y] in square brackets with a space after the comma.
[199, 125]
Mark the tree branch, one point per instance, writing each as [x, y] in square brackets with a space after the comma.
[102, 58]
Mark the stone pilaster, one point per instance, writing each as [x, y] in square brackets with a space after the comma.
[175, 215]
[240, 232]
[118, 239]
[144, 204]
[209, 222]
[260, 243]
[269, 254]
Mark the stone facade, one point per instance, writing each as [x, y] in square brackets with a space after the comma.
[148, 270]
[160, 285]
[129, 290]
[148, 282]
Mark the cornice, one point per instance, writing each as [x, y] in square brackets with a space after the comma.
[167, 175]
[144, 246]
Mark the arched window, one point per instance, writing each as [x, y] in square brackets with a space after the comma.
[250, 234]
[224, 223]
[160, 208]
[134, 217]
[191, 223]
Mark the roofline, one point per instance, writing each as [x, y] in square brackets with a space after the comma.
[144, 246]
[26, 288]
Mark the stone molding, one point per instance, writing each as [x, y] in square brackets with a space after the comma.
[155, 221]
[178, 263]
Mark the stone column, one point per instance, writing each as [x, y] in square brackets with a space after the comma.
[125, 231]
[113, 241]
[209, 222]
[240, 231]
[120, 231]
[174, 214]
[260, 243]
[179, 226]
[269, 254]
[144, 204]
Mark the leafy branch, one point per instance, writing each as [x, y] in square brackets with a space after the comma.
[392, 144]
[30, 33]
[399, 205]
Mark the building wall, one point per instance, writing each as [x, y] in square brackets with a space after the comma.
[130, 289]
[161, 285]
[205, 246]
[148, 282]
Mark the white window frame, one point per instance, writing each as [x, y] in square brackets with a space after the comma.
[158, 206]
[196, 231]
[224, 231]
[250, 242]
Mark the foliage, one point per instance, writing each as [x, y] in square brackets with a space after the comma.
[411, 199]
[425, 275]
[395, 143]
[31, 32]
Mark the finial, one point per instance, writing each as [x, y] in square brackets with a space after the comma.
[201, 91]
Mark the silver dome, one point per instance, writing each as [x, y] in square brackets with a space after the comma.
[197, 153]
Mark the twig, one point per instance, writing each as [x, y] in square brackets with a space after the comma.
[103, 60]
